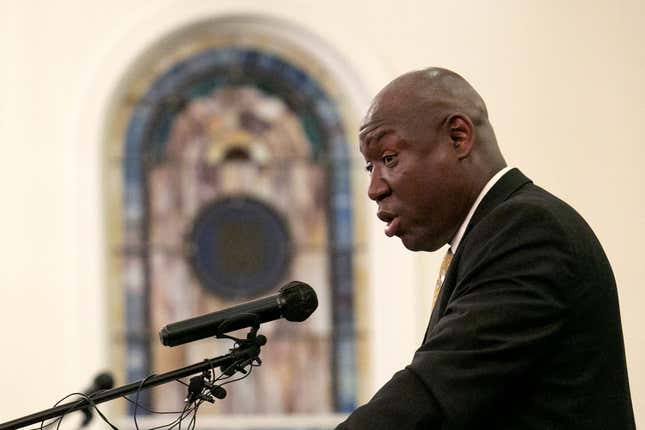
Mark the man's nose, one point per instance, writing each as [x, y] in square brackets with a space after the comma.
[379, 188]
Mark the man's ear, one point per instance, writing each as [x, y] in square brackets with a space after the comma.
[462, 134]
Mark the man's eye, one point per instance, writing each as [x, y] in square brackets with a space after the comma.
[369, 167]
[388, 159]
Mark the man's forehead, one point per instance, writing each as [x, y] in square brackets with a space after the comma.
[369, 126]
[382, 112]
[372, 134]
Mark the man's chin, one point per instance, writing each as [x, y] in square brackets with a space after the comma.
[414, 243]
[410, 243]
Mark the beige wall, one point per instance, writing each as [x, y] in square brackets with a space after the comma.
[563, 82]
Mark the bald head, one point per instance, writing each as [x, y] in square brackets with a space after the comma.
[437, 86]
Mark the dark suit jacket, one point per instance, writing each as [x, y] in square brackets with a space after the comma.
[526, 332]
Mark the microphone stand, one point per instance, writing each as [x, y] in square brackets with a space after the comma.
[247, 352]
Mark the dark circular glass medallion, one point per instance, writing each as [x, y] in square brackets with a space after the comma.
[238, 247]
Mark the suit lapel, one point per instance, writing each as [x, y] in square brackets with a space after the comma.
[502, 190]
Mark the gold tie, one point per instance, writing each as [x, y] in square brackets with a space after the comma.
[442, 275]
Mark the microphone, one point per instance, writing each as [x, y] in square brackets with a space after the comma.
[102, 381]
[295, 302]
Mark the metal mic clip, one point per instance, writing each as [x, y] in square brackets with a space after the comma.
[195, 390]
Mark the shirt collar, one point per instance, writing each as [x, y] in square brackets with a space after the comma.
[454, 243]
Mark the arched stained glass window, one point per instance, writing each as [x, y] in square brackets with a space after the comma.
[229, 175]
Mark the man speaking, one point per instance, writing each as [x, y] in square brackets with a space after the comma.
[525, 330]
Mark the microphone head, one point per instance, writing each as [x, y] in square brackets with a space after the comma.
[103, 381]
[298, 300]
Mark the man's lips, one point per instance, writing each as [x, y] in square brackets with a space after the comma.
[392, 221]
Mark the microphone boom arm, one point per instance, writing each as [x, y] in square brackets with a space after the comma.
[248, 351]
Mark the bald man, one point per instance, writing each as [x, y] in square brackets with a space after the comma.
[525, 332]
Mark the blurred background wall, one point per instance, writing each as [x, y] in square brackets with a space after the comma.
[563, 84]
